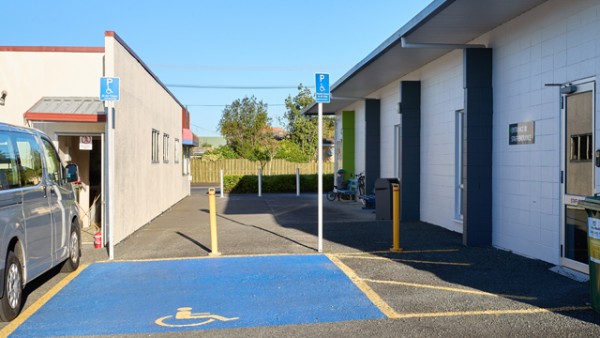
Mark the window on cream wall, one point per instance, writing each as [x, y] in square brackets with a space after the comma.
[176, 151]
[155, 135]
[166, 148]
[186, 161]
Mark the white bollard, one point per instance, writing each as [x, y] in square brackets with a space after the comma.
[259, 182]
[297, 181]
[221, 182]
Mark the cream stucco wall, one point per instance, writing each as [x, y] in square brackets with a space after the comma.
[142, 189]
[28, 76]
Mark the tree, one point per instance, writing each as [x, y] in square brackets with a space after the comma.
[303, 130]
[246, 127]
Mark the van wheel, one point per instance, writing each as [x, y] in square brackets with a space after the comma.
[11, 303]
[72, 262]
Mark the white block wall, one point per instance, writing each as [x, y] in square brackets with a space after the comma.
[441, 95]
[390, 97]
[556, 42]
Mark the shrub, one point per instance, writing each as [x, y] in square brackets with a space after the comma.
[291, 152]
[275, 183]
[221, 153]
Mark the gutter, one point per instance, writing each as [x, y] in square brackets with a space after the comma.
[406, 44]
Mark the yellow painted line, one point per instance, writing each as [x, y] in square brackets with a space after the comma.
[362, 253]
[12, 326]
[403, 260]
[364, 287]
[430, 262]
[491, 312]
[205, 257]
[445, 288]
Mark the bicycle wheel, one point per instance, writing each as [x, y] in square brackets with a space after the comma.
[331, 196]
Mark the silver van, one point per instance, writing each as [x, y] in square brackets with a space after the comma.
[39, 221]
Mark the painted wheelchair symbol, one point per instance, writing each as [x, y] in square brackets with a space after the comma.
[185, 318]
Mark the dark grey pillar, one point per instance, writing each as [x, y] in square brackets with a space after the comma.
[372, 147]
[477, 179]
[410, 189]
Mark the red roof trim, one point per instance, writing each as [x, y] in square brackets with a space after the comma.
[58, 117]
[51, 49]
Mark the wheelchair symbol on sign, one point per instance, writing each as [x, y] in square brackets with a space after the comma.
[108, 90]
[185, 318]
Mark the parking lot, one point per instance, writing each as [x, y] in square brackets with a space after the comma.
[269, 280]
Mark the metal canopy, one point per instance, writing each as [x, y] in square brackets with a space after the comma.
[67, 109]
[68, 105]
[442, 22]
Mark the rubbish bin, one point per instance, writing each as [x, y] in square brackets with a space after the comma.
[383, 198]
[592, 207]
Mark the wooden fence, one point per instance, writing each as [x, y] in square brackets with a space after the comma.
[209, 172]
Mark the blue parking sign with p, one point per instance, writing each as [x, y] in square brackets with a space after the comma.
[322, 88]
[110, 89]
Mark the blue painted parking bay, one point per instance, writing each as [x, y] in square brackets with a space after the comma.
[200, 294]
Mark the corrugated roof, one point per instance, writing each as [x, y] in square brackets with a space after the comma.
[68, 105]
[67, 109]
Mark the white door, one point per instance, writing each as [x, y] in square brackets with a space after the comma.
[577, 175]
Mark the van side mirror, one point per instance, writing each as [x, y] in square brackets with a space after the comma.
[72, 173]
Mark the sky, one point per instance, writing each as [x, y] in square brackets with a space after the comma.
[210, 53]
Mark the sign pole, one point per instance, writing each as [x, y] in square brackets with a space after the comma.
[322, 95]
[111, 175]
[110, 91]
[320, 175]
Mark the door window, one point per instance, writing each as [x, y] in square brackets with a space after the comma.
[52, 162]
[9, 170]
[578, 177]
[30, 158]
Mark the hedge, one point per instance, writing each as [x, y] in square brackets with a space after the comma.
[242, 184]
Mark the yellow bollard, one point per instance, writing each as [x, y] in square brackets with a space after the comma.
[396, 217]
[212, 206]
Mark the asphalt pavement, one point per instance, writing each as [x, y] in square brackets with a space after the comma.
[434, 287]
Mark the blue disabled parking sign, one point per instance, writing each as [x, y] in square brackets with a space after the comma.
[110, 89]
[322, 88]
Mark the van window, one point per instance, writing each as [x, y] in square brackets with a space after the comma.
[52, 161]
[9, 172]
[31, 160]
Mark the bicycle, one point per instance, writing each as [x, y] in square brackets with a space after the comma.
[345, 194]
[360, 179]
[355, 185]
[342, 190]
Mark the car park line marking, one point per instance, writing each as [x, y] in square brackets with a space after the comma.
[404, 260]
[12, 326]
[399, 252]
[201, 257]
[445, 288]
[364, 287]
[208, 293]
[491, 312]
[429, 262]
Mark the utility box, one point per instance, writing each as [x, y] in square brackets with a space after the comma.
[383, 196]
[592, 207]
